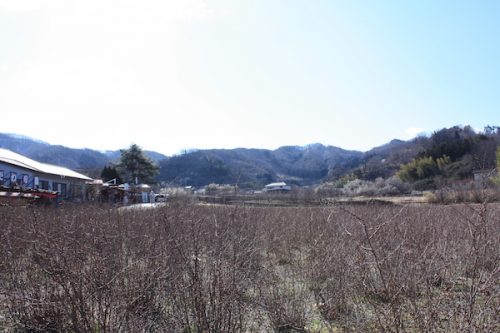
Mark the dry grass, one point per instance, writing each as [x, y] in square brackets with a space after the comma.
[191, 268]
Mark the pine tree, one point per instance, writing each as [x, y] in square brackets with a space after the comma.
[135, 167]
[110, 173]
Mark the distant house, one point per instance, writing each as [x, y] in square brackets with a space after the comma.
[18, 171]
[277, 187]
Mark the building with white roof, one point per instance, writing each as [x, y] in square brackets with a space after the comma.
[277, 187]
[20, 171]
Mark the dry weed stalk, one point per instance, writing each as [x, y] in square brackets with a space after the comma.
[190, 268]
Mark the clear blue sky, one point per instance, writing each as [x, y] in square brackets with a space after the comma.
[171, 74]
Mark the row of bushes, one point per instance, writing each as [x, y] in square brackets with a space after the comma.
[458, 192]
[359, 187]
[453, 196]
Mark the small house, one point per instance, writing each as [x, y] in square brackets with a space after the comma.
[279, 187]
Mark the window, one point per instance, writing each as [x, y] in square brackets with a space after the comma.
[60, 188]
[26, 179]
[44, 184]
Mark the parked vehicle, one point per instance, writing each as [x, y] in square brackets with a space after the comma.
[161, 197]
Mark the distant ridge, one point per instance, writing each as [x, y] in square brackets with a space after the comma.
[87, 161]
[24, 137]
[297, 165]
[246, 167]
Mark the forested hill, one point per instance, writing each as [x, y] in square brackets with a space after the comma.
[87, 161]
[255, 167]
[447, 155]
[431, 161]
[450, 155]
[247, 167]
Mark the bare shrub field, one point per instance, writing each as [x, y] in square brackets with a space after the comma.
[201, 268]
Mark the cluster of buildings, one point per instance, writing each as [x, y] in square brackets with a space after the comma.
[22, 177]
[25, 178]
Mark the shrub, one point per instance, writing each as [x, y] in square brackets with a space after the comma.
[391, 186]
[194, 268]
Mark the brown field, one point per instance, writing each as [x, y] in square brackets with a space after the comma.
[214, 268]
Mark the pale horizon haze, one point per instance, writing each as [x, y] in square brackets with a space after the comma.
[172, 75]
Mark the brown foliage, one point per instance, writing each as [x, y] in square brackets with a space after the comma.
[192, 268]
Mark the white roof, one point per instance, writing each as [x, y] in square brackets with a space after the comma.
[10, 157]
[276, 184]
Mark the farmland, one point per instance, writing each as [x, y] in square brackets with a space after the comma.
[187, 267]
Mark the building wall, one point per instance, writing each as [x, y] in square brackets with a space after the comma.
[8, 170]
[68, 188]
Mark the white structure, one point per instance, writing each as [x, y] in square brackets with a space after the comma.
[20, 171]
[144, 190]
[277, 187]
[483, 178]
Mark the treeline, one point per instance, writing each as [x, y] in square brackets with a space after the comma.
[424, 163]
[431, 162]
[452, 154]
[447, 158]
[253, 168]
[447, 155]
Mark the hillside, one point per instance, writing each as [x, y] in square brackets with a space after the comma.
[87, 161]
[451, 155]
[447, 155]
[255, 167]
[384, 161]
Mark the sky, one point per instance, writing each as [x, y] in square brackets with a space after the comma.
[171, 75]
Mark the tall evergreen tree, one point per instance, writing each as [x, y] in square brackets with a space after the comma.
[135, 167]
[110, 173]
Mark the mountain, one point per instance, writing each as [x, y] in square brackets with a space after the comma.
[443, 159]
[77, 159]
[459, 151]
[246, 167]
[22, 144]
[383, 161]
[86, 160]
[114, 155]
[252, 168]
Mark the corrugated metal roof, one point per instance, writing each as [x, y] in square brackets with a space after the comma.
[10, 157]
